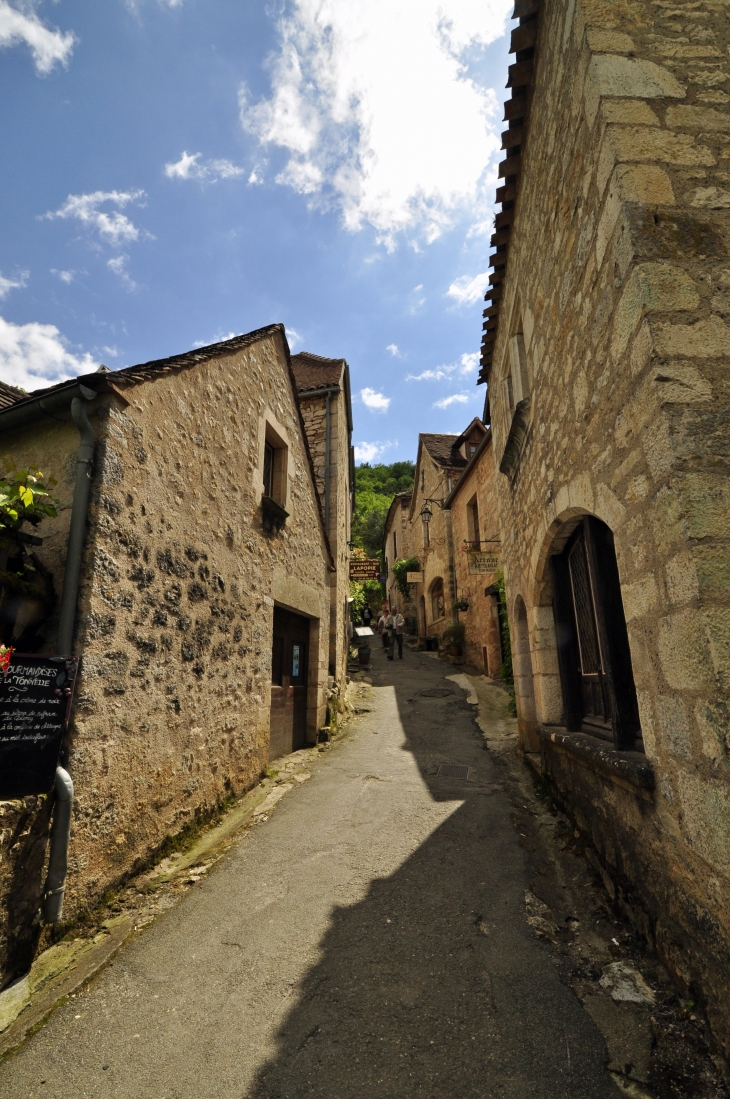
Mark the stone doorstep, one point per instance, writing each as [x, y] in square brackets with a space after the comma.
[61, 970]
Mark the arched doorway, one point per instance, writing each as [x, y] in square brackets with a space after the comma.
[596, 676]
[438, 607]
[524, 687]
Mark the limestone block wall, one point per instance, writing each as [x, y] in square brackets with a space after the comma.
[175, 611]
[618, 282]
[481, 621]
[436, 555]
[314, 414]
[400, 521]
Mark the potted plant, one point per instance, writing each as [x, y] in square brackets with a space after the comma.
[452, 639]
[363, 655]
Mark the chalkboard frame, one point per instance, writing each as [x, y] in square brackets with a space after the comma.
[29, 757]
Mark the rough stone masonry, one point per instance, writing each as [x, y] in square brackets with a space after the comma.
[607, 349]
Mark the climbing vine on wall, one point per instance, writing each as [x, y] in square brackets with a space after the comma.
[24, 582]
[400, 569]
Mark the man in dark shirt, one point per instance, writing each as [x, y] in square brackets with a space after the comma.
[367, 616]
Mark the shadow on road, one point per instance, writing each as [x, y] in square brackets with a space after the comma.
[433, 985]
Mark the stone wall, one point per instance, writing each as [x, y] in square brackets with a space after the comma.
[399, 521]
[481, 621]
[175, 611]
[314, 414]
[618, 281]
[436, 555]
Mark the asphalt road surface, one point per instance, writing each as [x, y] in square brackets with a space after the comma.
[369, 941]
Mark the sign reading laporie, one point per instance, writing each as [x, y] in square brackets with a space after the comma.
[484, 562]
[365, 570]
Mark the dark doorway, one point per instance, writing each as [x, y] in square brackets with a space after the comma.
[599, 695]
[289, 683]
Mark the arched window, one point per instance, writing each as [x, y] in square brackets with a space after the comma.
[437, 599]
[597, 679]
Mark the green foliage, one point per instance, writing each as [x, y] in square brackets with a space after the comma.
[506, 674]
[454, 635]
[23, 497]
[375, 487]
[400, 568]
[365, 593]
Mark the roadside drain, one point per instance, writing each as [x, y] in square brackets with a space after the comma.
[453, 770]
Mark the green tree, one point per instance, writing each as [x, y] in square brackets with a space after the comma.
[375, 487]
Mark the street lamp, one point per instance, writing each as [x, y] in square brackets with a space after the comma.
[426, 513]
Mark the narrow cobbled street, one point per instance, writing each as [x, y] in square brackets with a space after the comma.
[369, 940]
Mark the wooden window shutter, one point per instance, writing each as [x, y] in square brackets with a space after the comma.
[567, 643]
[614, 636]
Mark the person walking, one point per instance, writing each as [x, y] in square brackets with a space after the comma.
[397, 624]
[367, 616]
[384, 630]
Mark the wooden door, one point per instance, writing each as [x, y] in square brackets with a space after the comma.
[289, 679]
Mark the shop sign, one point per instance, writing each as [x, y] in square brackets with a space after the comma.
[35, 701]
[365, 570]
[484, 562]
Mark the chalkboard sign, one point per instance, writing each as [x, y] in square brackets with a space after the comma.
[35, 701]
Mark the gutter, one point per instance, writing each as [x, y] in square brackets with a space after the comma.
[18, 416]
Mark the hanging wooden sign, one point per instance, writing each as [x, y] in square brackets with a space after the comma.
[35, 703]
[484, 562]
[365, 570]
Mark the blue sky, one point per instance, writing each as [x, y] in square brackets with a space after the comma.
[178, 171]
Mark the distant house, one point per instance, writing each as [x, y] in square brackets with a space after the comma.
[441, 461]
[398, 546]
[210, 617]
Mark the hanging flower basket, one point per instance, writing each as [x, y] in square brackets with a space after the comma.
[461, 605]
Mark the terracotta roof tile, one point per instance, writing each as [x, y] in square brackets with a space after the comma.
[313, 371]
[10, 395]
[442, 450]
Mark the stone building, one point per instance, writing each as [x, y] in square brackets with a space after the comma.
[476, 536]
[607, 351]
[323, 386]
[204, 620]
[440, 462]
[398, 546]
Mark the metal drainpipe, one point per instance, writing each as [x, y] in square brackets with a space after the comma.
[327, 441]
[55, 887]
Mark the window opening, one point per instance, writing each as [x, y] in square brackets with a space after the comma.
[268, 470]
[437, 599]
[599, 694]
[395, 547]
[472, 522]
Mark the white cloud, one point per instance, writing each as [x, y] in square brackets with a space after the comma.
[18, 283]
[466, 290]
[220, 337]
[293, 338]
[367, 452]
[376, 402]
[112, 227]
[394, 350]
[34, 356]
[64, 276]
[374, 106]
[189, 166]
[49, 47]
[467, 363]
[455, 398]
[118, 265]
